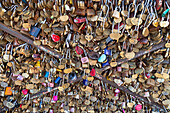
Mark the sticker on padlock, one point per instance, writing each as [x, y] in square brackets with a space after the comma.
[8, 91]
[84, 60]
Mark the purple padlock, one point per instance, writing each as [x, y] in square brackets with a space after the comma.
[55, 97]
[72, 110]
[20, 77]
[119, 69]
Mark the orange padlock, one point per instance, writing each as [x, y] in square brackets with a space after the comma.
[8, 91]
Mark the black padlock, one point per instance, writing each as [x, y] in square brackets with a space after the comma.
[72, 76]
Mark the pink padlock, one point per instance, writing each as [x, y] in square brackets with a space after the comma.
[20, 77]
[51, 110]
[84, 60]
[119, 69]
[55, 97]
[138, 107]
[44, 84]
[117, 91]
[25, 91]
[51, 84]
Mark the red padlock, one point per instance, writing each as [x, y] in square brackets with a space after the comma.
[158, 4]
[79, 20]
[25, 91]
[20, 105]
[93, 72]
[79, 51]
[147, 75]
[55, 38]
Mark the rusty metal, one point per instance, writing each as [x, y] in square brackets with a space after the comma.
[28, 40]
[43, 92]
[142, 52]
[139, 54]
[112, 83]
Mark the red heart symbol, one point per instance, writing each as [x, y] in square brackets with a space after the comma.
[55, 38]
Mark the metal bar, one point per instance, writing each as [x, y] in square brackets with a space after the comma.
[122, 88]
[142, 52]
[137, 55]
[28, 40]
[43, 92]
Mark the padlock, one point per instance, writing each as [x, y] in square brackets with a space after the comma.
[25, 91]
[85, 82]
[55, 37]
[72, 76]
[2, 93]
[116, 13]
[79, 20]
[57, 80]
[46, 74]
[8, 91]
[79, 51]
[55, 96]
[93, 72]
[35, 31]
[102, 58]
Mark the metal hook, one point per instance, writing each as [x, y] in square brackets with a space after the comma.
[136, 8]
[129, 9]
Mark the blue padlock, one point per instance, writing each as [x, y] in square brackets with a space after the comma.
[24, 1]
[57, 80]
[102, 58]
[46, 74]
[106, 63]
[108, 40]
[35, 31]
[85, 82]
[107, 51]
